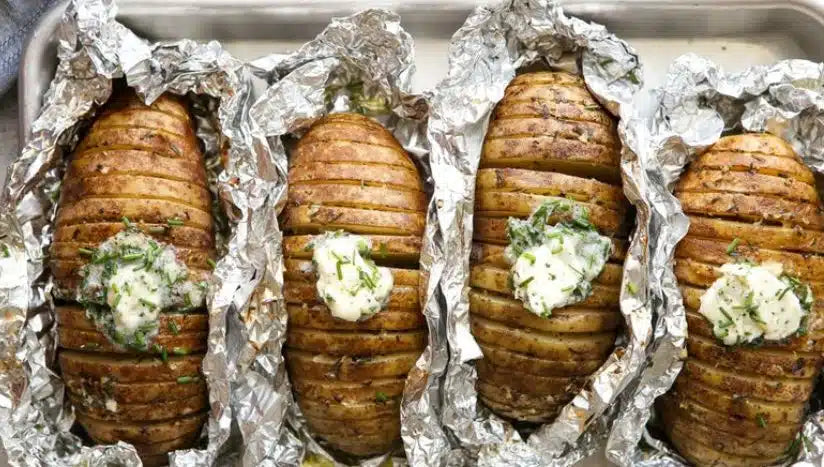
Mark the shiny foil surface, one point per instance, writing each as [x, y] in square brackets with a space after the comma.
[362, 63]
[93, 49]
[698, 103]
[484, 56]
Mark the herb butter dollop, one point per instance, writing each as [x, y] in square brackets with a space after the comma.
[349, 282]
[750, 302]
[129, 280]
[553, 266]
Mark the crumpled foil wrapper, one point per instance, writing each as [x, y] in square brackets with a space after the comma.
[484, 56]
[94, 49]
[698, 103]
[362, 63]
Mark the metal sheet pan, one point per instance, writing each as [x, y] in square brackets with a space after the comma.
[737, 33]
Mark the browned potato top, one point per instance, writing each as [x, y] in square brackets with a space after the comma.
[743, 405]
[349, 173]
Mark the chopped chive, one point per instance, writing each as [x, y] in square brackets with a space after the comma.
[381, 397]
[173, 328]
[761, 422]
[156, 229]
[340, 270]
[174, 222]
[185, 379]
[384, 251]
[632, 288]
[85, 251]
[6, 252]
[116, 301]
[180, 351]
[732, 246]
[568, 289]
[526, 282]
[147, 303]
[187, 300]
[211, 263]
[139, 338]
[203, 285]
[530, 257]
[131, 256]
[126, 222]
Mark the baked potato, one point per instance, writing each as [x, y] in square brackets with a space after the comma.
[548, 139]
[137, 168]
[749, 197]
[349, 173]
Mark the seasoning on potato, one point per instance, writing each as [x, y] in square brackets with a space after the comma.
[353, 225]
[133, 247]
[748, 272]
[545, 291]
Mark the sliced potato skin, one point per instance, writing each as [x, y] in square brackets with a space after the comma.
[349, 173]
[744, 405]
[143, 163]
[548, 139]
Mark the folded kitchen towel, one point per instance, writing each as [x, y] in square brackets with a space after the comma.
[17, 18]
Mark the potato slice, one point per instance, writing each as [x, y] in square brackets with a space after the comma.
[340, 343]
[714, 181]
[303, 270]
[568, 319]
[142, 210]
[144, 118]
[97, 232]
[169, 324]
[601, 296]
[133, 185]
[391, 249]
[347, 368]
[491, 228]
[761, 164]
[318, 317]
[764, 236]
[154, 411]
[760, 143]
[95, 341]
[529, 364]
[136, 162]
[560, 110]
[101, 389]
[550, 126]
[550, 346]
[753, 208]
[503, 204]
[358, 196]
[738, 406]
[527, 383]
[338, 391]
[111, 432]
[760, 361]
[70, 252]
[551, 92]
[355, 173]
[551, 184]
[317, 218]
[703, 435]
[124, 369]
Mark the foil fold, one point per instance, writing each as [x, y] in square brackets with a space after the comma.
[698, 103]
[93, 49]
[361, 63]
[484, 56]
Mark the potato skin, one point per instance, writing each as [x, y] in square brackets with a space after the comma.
[143, 163]
[548, 139]
[348, 172]
[744, 405]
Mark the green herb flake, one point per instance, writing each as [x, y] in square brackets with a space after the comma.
[186, 379]
[6, 252]
[632, 289]
[180, 351]
[732, 246]
[526, 282]
[174, 222]
[530, 257]
[172, 326]
[126, 222]
[339, 267]
[211, 263]
[761, 421]
[84, 251]
[381, 397]
[147, 303]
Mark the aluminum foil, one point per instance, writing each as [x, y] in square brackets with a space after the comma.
[485, 54]
[698, 103]
[93, 49]
[362, 63]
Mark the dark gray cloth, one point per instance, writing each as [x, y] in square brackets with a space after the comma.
[17, 18]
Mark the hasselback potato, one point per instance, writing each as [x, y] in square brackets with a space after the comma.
[749, 198]
[138, 169]
[548, 140]
[349, 173]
